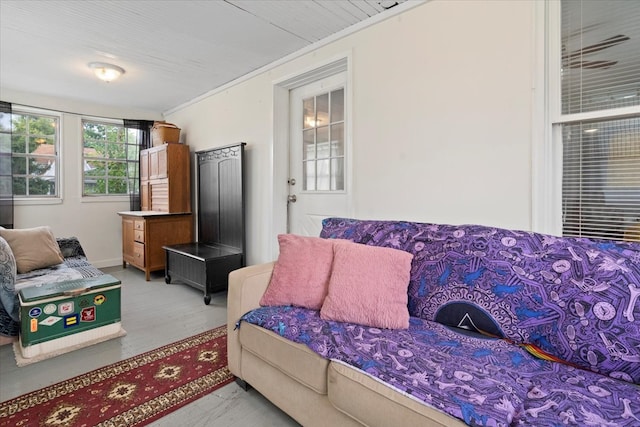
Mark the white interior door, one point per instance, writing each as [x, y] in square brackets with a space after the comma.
[318, 150]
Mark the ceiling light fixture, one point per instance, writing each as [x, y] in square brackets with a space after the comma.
[106, 72]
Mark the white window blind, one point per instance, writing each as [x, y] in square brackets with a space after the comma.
[600, 119]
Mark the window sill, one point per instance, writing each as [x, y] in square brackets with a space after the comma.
[38, 201]
[104, 199]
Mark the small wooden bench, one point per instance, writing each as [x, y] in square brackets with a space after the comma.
[203, 266]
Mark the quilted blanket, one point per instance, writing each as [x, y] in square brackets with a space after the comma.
[75, 266]
[482, 381]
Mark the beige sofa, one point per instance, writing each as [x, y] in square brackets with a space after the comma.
[312, 390]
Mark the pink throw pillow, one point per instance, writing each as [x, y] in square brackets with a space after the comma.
[301, 275]
[368, 286]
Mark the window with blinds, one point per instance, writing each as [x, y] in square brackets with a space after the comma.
[600, 119]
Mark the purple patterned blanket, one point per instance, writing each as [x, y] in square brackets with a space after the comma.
[576, 298]
[482, 381]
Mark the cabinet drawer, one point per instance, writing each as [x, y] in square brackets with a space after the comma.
[138, 254]
[138, 236]
[138, 225]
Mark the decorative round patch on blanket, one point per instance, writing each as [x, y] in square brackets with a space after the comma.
[469, 317]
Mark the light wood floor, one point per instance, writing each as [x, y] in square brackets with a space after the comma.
[153, 314]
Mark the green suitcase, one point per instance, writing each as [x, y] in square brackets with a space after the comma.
[58, 310]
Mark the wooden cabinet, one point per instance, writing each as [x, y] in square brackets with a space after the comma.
[165, 178]
[144, 233]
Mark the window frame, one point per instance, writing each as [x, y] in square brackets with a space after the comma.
[102, 197]
[20, 199]
[548, 119]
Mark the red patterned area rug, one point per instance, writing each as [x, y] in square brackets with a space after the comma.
[133, 392]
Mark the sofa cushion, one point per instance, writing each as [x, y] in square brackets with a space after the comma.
[575, 298]
[301, 274]
[33, 248]
[368, 286]
[479, 380]
[374, 403]
[295, 360]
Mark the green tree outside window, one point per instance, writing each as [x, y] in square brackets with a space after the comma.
[110, 150]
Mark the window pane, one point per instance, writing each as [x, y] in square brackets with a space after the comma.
[337, 105]
[601, 178]
[600, 60]
[41, 166]
[41, 187]
[322, 110]
[308, 113]
[95, 186]
[18, 165]
[322, 142]
[5, 143]
[110, 158]
[116, 169]
[43, 146]
[5, 166]
[95, 168]
[19, 186]
[34, 144]
[5, 122]
[5, 184]
[94, 150]
[117, 186]
[309, 148]
[337, 174]
[309, 175]
[337, 140]
[322, 177]
[133, 149]
[18, 144]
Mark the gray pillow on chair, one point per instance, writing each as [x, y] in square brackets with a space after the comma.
[8, 280]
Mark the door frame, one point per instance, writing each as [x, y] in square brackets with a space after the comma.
[280, 143]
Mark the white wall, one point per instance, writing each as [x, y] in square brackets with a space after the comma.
[441, 124]
[95, 223]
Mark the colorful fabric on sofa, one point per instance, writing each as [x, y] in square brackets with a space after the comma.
[75, 266]
[575, 298]
[482, 381]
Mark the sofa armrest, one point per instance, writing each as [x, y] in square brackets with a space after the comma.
[246, 286]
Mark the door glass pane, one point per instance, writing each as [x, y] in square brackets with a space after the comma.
[337, 140]
[323, 178]
[322, 142]
[309, 147]
[322, 110]
[337, 105]
[308, 113]
[600, 61]
[337, 174]
[309, 175]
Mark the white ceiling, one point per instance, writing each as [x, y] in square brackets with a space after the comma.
[173, 51]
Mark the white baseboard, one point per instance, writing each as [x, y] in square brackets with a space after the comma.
[113, 262]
